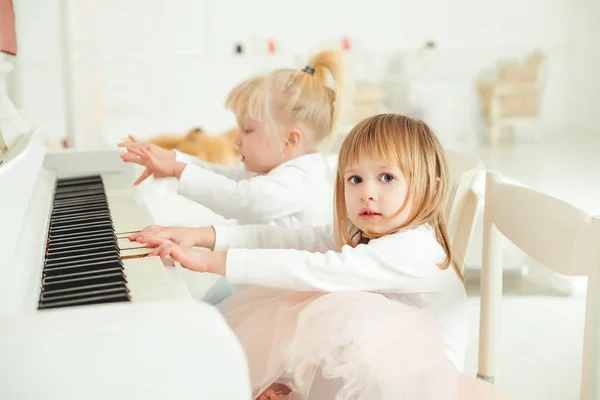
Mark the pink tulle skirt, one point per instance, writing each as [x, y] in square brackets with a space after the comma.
[359, 346]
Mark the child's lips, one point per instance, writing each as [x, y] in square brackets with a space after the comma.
[370, 215]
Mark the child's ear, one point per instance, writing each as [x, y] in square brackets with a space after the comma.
[294, 137]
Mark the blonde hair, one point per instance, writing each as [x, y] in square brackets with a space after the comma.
[413, 147]
[288, 96]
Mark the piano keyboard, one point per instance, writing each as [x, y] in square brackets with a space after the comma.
[85, 261]
[82, 264]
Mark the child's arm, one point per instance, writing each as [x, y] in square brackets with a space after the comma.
[317, 239]
[312, 238]
[408, 265]
[235, 172]
[401, 266]
[277, 194]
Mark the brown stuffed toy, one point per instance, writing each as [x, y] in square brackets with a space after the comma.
[216, 149]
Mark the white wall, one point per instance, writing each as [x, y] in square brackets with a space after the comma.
[584, 55]
[150, 66]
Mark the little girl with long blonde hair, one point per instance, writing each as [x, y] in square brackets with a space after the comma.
[374, 304]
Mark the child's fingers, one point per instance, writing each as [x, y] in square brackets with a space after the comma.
[133, 138]
[130, 157]
[155, 252]
[170, 249]
[145, 175]
[152, 228]
[149, 230]
[152, 239]
[147, 152]
[145, 231]
[136, 150]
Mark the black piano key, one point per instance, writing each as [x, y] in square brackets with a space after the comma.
[90, 236]
[96, 269]
[74, 271]
[78, 188]
[72, 207]
[98, 202]
[74, 197]
[67, 273]
[88, 243]
[81, 229]
[81, 250]
[76, 207]
[74, 259]
[81, 222]
[82, 262]
[81, 225]
[112, 276]
[77, 195]
[103, 299]
[47, 294]
[77, 180]
[80, 216]
[89, 291]
[80, 204]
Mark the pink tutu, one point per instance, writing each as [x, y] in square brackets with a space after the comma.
[364, 345]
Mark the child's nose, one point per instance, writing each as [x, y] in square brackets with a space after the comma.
[369, 192]
[237, 140]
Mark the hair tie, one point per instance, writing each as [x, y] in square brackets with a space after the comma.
[309, 70]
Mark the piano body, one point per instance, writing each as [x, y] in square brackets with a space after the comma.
[82, 315]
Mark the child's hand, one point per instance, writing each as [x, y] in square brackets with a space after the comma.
[186, 237]
[133, 142]
[159, 167]
[158, 162]
[192, 259]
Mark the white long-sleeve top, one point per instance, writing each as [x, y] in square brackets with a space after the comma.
[402, 265]
[295, 193]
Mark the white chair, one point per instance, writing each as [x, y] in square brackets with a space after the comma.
[463, 200]
[556, 234]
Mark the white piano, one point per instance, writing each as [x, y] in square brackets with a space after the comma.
[82, 315]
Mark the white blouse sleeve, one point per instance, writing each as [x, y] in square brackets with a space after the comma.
[404, 264]
[235, 172]
[312, 238]
[270, 196]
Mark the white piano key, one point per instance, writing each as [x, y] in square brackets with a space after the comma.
[134, 253]
[126, 244]
[147, 280]
[127, 216]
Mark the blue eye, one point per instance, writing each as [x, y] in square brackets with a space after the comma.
[387, 178]
[355, 179]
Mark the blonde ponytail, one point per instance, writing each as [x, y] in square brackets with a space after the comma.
[331, 61]
[287, 97]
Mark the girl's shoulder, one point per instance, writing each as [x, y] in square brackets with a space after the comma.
[418, 241]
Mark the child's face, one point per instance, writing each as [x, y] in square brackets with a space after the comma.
[374, 190]
[260, 152]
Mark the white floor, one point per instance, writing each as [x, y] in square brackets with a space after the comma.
[540, 351]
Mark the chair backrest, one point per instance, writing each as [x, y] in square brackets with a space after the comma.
[556, 234]
[462, 201]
